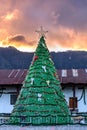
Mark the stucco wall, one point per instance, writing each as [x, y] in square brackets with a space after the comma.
[5, 106]
[82, 107]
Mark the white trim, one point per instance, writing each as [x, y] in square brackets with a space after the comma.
[86, 70]
[17, 73]
[75, 72]
[64, 73]
[10, 74]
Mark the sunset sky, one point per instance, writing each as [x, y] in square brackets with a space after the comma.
[65, 21]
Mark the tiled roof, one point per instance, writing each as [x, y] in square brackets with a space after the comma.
[12, 77]
[73, 76]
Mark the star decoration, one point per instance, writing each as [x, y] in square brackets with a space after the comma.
[41, 32]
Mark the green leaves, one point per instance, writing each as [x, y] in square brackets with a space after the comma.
[41, 95]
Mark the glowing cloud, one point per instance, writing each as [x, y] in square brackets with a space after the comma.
[67, 38]
[19, 42]
[65, 20]
[12, 15]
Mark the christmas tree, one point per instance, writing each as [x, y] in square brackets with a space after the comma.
[41, 100]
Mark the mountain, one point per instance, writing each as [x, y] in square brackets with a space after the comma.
[11, 58]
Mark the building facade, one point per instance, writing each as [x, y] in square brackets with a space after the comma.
[73, 83]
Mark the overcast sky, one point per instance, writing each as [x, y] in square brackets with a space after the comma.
[65, 20]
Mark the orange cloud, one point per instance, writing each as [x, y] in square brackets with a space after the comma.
[15, 14]
[19, 42]
[65, 20]
[67, 38]
[3, 33]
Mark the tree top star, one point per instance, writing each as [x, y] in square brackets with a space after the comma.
[41, 32]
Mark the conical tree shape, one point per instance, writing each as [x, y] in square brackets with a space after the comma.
[41, 100]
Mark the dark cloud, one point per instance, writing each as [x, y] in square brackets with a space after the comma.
[17, 38]
[64, 19]
[69, 13]
[78, 3]
[72, 14]
[18, 41]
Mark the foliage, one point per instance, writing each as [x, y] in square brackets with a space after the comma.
[41, 100]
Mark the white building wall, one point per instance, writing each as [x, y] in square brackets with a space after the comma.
[5, 106]
[81, 105]
[68, 92]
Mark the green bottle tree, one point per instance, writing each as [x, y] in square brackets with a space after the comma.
[41, 100]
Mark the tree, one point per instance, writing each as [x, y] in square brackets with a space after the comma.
[41, 100]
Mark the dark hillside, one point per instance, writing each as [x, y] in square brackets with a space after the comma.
[11, 58]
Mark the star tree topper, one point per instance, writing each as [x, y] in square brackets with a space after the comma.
[41, 32]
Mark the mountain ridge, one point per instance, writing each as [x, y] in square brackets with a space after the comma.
[11, 58]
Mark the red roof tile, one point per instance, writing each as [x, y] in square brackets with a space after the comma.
[73, 76]
[12, 77]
